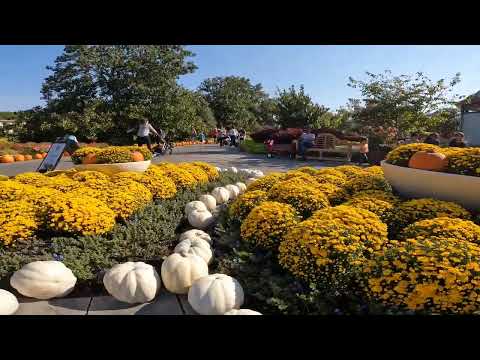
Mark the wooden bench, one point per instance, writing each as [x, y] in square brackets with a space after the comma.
[326, 146]
[284, 149]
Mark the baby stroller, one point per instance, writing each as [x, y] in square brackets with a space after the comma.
[163, 147]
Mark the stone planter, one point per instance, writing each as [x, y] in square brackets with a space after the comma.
[414, 183]
[110, 169]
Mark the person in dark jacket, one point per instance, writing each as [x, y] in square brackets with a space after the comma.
[433, 138]
[458, 140]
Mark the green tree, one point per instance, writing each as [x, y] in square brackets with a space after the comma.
[106, 88]
[234, 100]
[408, 103]
[296, 109]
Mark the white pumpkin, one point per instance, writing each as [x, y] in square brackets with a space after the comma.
[215, 295]
[8, 303]
[132, 282]
[233, 190]
[195, 205]
[200, 219]
[209, 201]
[43, 280]
[250, 180]
[233, 169]
[221, 194]
[241, 186]
[195, 234]
[257, 173]
[197, 247]
[218, 169]
[242, 312]
[180, 270]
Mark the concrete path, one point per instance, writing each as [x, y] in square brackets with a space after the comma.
[214, 154]
[164, 304]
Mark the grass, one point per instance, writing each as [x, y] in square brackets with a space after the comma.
[252, 147]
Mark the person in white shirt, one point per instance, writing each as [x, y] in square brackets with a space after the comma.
[143, 133]
[233, 133]
[305, 141]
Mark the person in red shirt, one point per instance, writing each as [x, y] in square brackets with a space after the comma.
[269, 145]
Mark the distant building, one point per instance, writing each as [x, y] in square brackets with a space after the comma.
[470, 118]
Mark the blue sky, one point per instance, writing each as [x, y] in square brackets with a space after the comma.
[323, 70]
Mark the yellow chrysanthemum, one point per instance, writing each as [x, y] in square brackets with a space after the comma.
[242, 205]
[17, 221]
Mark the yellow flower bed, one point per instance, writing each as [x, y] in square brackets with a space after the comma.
[81, 215]
[266, 182]
[4, 178]
[64, 183]
[377, 194]
[443, 227]
[401, 155]
[211, 170]
[335, 194]
[411, 211]
[383, 209]
[197, 172]
[32, 178]
[367, 181]
[11, 190]
[434, 275]
[464, 162]
[338, 173]
[375, 170]
[332, 243]
[160, 186]
[331, 179]
[17, 221]
[350, 171]
[181, 177]
[307, 170]
[242, 205]
[267, 223]
[111, 154]
[305, 199]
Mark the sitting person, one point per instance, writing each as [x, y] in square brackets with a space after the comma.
[269, 145]
[305, 142]
[433, 139]
[458, 140]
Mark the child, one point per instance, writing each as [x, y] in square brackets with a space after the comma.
[363, 158]
[269, 145]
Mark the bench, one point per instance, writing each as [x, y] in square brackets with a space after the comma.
[284, 149]
[326, 146]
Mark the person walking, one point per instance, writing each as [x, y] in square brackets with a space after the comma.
[242, 135]
[363, 151]
[143, 133]
[194, 134]
[233, 133]
[304, 142]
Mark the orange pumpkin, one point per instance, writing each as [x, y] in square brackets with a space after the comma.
[89, 159]
[424, 160]
[38, 156]
[44, 155]
[28, 157]
[19, 157]
[137, 156]
[5, 159]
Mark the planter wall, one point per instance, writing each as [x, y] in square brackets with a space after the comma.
[414, 183]
[110, 169]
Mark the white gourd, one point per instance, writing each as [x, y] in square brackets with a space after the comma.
[215, 295]
[221, 194]
[209, 201]
[195, 205]
[180, 270]
[132, 282]
[241, 186]
[43, 280]
[200, 219]
[8, 303]
[195, 234]
[242, 312]
[233, 190]
[233, 169]
[197, 247]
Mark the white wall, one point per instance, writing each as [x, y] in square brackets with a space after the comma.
[471, 128]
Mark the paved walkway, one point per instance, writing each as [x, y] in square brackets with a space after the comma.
[214, 154]
[164, 304]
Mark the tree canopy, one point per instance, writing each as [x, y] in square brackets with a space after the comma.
[405, 102]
